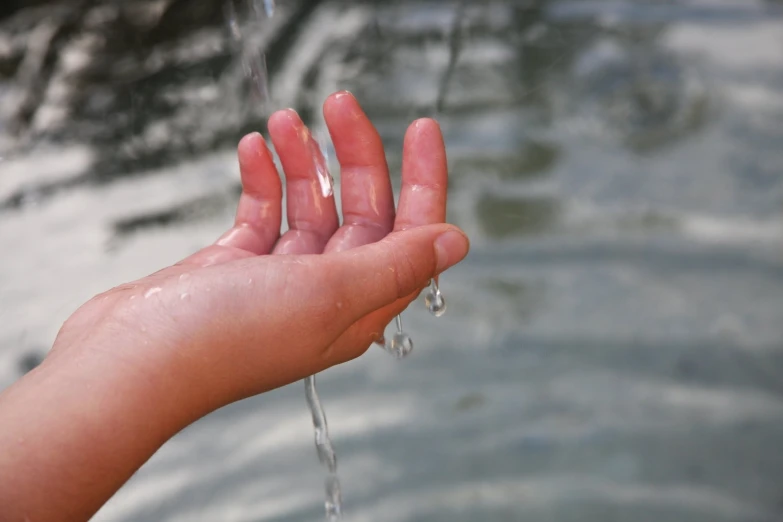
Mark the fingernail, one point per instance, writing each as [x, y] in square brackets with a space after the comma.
[450, 248]
[342, 94]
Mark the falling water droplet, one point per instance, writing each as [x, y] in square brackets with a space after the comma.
[333, 499]
[434, 300]
[400, 345]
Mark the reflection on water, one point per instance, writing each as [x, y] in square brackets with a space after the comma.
[613, 348]
[532, 158]
[503, 217]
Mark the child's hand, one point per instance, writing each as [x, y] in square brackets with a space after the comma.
[236, 318]
[250, 313]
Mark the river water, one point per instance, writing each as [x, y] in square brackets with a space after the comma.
[613, 348]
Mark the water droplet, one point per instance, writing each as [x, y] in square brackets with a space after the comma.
[400, 345]
[434, 300]
[249, 281]
[184, 296]
[132, 298]
[152, 291]
[184, 277]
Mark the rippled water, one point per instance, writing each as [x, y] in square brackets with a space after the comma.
[613, 348]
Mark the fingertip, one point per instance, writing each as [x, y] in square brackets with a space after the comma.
[250, 145]
[341, 104]
[340, 97]
[283, 119]
[423, 128]
[425, 123]
[451, 247]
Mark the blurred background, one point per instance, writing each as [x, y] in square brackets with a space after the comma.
[613, 349]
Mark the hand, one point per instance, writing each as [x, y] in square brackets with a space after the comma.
[237, 318]
[250, 313]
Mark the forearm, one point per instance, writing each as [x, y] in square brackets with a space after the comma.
[74, 430]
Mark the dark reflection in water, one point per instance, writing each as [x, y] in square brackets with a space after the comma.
[503, 217]
[530, 160]
[612, 350]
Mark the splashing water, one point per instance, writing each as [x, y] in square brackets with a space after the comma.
[318, 150]
[255, 70]
[325, 451]
[333, 499]
[254, 64]
[317, 143]
[252, 54]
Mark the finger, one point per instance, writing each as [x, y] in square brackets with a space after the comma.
[424, 177]
[312, 218]
[367, 197]
[259, 214]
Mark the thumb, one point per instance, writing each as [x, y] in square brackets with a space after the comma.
[375, 275]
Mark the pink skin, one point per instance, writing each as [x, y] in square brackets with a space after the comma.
[136, 364]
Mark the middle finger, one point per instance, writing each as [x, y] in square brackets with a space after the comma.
[367, 197]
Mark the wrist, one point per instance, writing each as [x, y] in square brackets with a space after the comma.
[80, 407]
